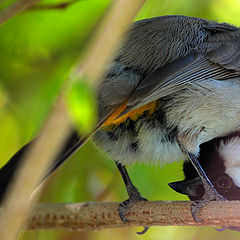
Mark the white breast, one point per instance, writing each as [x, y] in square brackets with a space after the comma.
[153, 146]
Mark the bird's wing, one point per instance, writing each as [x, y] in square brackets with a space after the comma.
[226, 54]
[177, 76]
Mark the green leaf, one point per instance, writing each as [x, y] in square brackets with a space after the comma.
[3, 98]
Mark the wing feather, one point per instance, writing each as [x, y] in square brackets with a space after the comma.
[175, 77]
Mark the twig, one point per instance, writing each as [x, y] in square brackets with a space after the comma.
[96, 216]
[108, 36]
[17, 207]
[15, 9]
[57, 6]
[36, 162]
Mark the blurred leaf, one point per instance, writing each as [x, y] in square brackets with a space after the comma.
[3, 98]
[81, 105]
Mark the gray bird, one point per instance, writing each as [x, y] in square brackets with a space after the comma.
[173, 85]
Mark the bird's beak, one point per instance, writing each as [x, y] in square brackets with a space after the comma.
[187, 187]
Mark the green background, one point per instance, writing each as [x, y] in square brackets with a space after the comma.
[37, 50]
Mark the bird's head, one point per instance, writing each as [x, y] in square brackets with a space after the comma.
[220, 159]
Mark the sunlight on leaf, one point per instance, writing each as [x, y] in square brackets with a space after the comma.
[81, 106]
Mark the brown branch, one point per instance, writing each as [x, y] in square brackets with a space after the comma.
[56, 6]
[17, 206]
[15, 9]
[96, 216]
[36, 163]
[23, 5]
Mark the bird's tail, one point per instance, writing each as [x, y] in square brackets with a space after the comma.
[8, 170]
[73, 143]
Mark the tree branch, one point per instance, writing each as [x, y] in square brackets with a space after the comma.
[23, 5]
[15, 9]
[53, 6]
[96, 216]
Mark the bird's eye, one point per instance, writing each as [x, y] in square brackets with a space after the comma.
[224, 182]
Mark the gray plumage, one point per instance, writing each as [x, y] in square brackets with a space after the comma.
[190, 66]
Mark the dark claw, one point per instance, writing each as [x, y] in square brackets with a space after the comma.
[143, 231]
[122, 209]
[228, 227]
[210, 195]
[123, 206]
[195, 207]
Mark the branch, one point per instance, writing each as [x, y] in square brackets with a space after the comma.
[96, 216]
[23, 5]
[56, 6]
[17, 206]
[15, 9]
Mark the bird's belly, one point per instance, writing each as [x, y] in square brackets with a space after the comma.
[145, 140]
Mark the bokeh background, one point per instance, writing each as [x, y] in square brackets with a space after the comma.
[37, 50]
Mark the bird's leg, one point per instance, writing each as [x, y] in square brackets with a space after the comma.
[210, 192]
[133, 194]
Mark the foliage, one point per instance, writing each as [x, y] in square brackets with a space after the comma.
[38, 49]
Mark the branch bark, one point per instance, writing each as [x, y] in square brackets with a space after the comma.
[96, 216]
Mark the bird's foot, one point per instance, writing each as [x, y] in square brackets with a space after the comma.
[123, 206]
[134, 197]
[210, 195]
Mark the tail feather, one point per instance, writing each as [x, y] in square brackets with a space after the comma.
[73, 143]
[8, 170]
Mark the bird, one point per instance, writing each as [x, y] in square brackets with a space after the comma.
[173, 85]
[220, 160]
